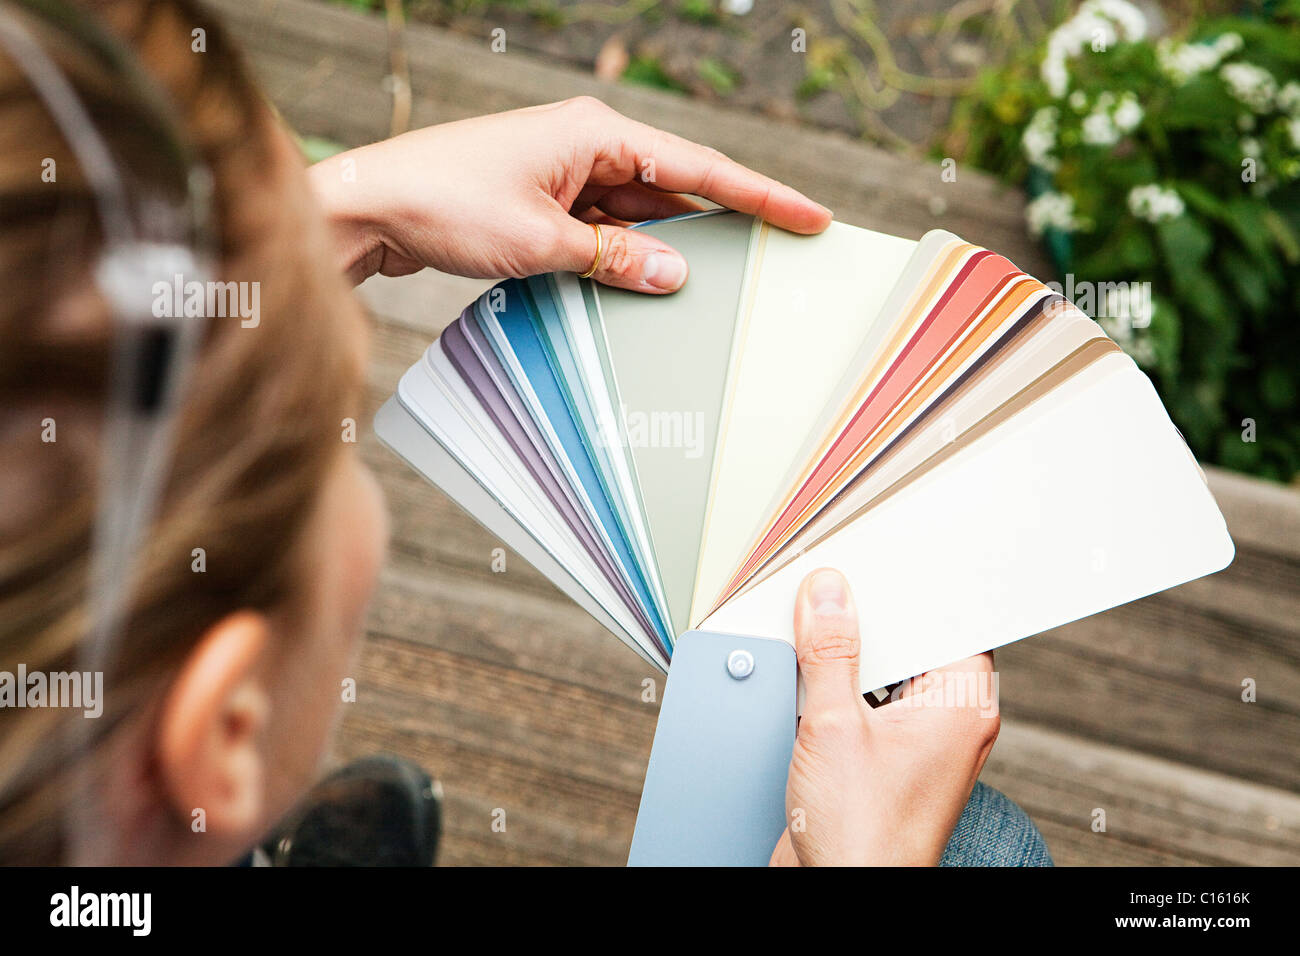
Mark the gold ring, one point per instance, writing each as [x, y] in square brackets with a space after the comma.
[600, 250]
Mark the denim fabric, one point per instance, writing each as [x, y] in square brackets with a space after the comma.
[993, 831]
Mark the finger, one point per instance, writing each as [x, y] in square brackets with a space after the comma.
[641, 200]
[827, 642]
[588, 197]
[980, 664]
[677, 165]
[784, 854]
[595, 214]
[636, 203]
[966, 683]
[628, 258]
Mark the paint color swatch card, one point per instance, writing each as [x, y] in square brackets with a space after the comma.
[971, 450]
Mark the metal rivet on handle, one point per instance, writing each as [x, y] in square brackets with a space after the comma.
[740, 664]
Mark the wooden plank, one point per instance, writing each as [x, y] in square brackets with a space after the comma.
[538, 634]
[325, 68]
[425, 302]
[565, 764]
[1163, 677]
[1157, 812]
[1260, 514]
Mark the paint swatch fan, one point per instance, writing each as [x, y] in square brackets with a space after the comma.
[972, 451]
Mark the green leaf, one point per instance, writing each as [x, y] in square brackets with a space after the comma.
[1286, 238]
[1185, 243]
[1277, 387]
[316, 148]
[697, 11]
[1236, 453]
[1202, 200]
[647, 71]
[1200, 293]
[818, 79]
[1249, 283]
[1201, 103]
[722, 78]
[1136, 250]
[1165, 333]
[1247, 221]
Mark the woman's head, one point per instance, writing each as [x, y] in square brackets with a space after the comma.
[252, 578]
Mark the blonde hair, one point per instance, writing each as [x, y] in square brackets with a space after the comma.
[260, 422]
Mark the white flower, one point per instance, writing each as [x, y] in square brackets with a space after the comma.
[1104, 126]
[1039, 139]
[1097, 26]
[1102, 35]
[1079, 101]
[1185, 60]
[1128, 114]
[1099, 129]
[1288, 98]
[1055, 75]
[1138, 346]
[1153, 203]
[1118, 327]
[1245, 122]
[1252, 85]
[1143, 351]
[1250, 147]
[738, 7]
[1227, 44]
[1135, 341]
[1051, 210]
[1130, 19]
[1182, 61]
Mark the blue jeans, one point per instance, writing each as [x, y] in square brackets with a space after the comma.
[993, 831]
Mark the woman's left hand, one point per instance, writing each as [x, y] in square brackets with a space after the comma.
[513, 194]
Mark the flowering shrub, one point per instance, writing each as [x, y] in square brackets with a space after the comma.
[1173, 161]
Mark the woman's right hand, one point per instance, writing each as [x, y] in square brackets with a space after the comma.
[881, 786]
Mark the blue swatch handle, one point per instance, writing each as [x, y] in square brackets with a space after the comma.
[714, 790]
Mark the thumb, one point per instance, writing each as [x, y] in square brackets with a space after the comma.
[827, 641]
[784, 854]
[629, 259]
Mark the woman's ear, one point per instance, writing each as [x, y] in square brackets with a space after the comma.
[211, 742]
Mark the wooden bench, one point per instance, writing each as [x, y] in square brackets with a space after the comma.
[519, 702]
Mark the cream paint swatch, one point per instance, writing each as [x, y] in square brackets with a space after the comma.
[1078, 504]
[809, 302]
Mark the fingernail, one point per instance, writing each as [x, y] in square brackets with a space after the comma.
[664, 270]
[828, 593]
